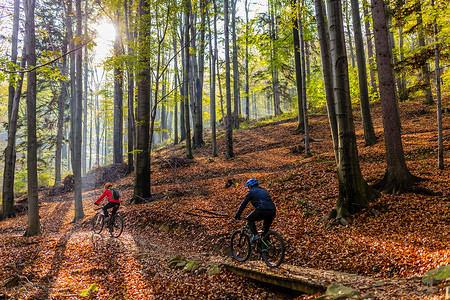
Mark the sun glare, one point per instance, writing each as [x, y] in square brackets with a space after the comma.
[104, 40]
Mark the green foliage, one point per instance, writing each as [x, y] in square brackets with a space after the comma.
[92, 289]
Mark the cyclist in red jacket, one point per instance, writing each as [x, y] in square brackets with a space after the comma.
[112, 203]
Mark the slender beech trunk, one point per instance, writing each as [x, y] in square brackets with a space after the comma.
[370, 55]
[85, 90]
[438, 95]
[247, 80]
[13, 109]
[199, 90]
[176, 88]
[61, 106]
[229, 118]
[188, 8]
[78, 111]
[183, 62]
[425, 69]
[118, 95]
[298, 66]
[369, 132]
[402, 91]
[130, 91]
[304, 100]
[34, 227]
[212, 87]
[349, 32]
[235, 66]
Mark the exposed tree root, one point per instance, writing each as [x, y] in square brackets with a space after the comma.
[395, 187]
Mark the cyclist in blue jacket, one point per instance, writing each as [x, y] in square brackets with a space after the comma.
[264, 208]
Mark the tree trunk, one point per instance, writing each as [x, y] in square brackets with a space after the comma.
[142, 190]
[425, 70]
[13, 109]
[187, 125]
[85, 101]
[118, 95]
[354, 193]
[349, 32]
[61, 106]
[438, 95]
[229, 118]
[130, 72]
[397, 177]
[322, 28]
[78, 111]
[177, 84]
[247, 81]
[10, 150]
[33, 198]
[274, 37]
[373, 81]
[369, 132]
[402, 91]
[298, 66]
[305, 105]
[235, 66]
[182, 113]
[199, 90]
[212, 88]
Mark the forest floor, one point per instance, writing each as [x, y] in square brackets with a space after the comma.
[409, 237]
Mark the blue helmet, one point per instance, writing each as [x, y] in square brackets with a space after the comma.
[251, 182]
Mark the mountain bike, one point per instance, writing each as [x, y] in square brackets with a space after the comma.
[270, 247]
[113, 223]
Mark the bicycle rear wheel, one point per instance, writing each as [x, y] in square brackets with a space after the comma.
[240, 245]
[98, 222]
[116, 225]
[272, 250]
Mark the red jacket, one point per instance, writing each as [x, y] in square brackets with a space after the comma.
[108, 194]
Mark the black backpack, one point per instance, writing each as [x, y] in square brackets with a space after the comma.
[115, 194]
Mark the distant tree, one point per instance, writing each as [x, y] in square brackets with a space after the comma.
[367, 25]
[61, 105]
[212, 82]
[118, 92]
[369, 132]
[187, 14]
[14, 94]
[274, 59]
[229, 117]
[236, 91]
[397, 178]
[33, 198]
[438, 94]
[128, 5]
[198, 136]
[425, 69]
[247, 80]
[298, 66]
[304, 100]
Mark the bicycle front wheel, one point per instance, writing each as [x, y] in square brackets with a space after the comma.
[116, 226]
[98, 222]
[240, 245]
[272, 250]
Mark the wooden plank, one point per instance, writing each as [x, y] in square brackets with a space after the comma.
[295, 283]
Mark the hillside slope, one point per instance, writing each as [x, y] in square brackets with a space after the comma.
[410, 237]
